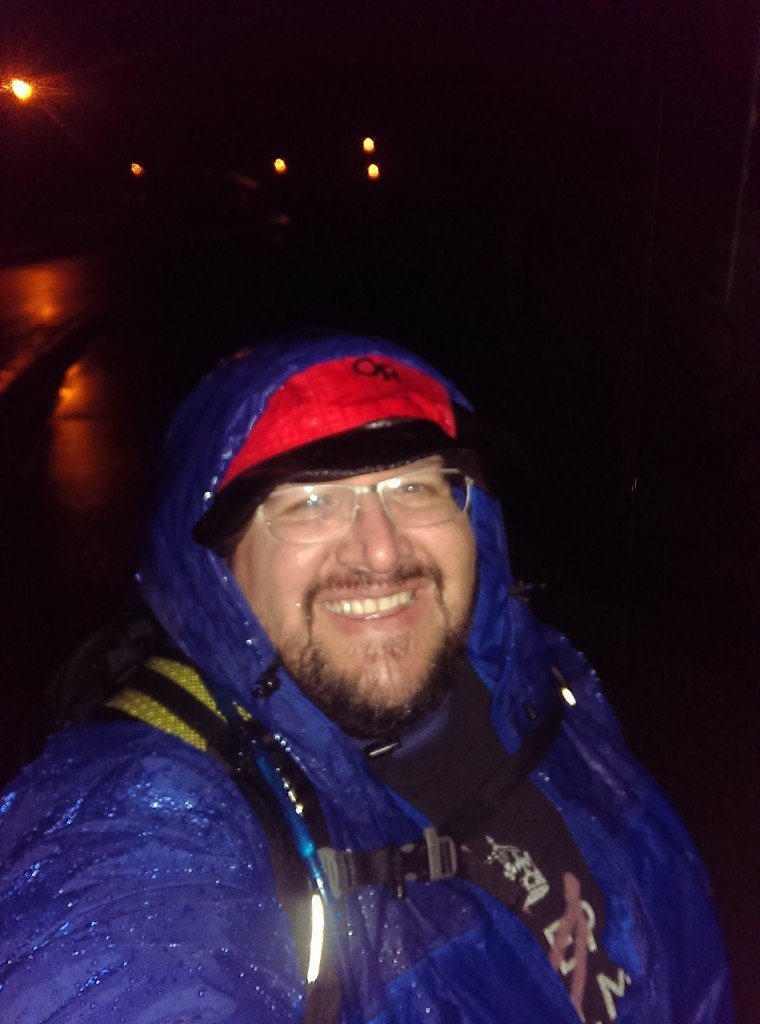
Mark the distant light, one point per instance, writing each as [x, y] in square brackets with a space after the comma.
[568, 696]
[280, 167]
[21, 90]
[373, 171]
[368, 145]
[137, 169]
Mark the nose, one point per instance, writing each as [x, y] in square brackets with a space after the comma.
[372, 543]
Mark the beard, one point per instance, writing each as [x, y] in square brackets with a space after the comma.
[339, 696]
[362, 703]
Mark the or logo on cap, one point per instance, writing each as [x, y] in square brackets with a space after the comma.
[337, 396]
[367, 367]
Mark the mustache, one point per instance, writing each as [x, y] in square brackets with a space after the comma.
[360, 580]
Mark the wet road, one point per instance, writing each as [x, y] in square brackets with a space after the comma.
[80, 433]
[96, 351]
[41, 302]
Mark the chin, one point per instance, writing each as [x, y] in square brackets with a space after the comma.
[382, 690]
[387, 674]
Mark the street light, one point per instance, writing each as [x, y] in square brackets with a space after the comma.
[373, 172]
[280, 167]
[137, 170]
[368, 145]
[21, 89]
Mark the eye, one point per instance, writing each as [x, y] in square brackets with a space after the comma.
[303, 505]
[310, 504]
[417, 489]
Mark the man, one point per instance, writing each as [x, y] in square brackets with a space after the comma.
[370, 729]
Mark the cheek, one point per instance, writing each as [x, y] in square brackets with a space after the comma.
[460, 572]
[277, 581]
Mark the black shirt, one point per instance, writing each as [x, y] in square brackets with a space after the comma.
[521, 851]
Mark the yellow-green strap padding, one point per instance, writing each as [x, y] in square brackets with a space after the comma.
[138, 705]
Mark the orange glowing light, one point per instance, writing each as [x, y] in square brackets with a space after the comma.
[137, 169]
[373, 172]
[21, 90]
[80, 467]
[280, 167]
[70, 389]
[42, 300]
[368, 145]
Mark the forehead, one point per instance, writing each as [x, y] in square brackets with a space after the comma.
[430, 462]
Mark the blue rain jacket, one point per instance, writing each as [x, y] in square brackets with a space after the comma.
[137, 886]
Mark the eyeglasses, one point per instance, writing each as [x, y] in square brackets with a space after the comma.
[310, 513]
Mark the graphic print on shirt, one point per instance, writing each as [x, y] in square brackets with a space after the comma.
[518, 866]
[573, 933]
[567, 923]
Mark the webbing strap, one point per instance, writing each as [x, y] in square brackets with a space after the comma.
[186, 677]
[134, 703]
[431, 860]
[171, 696]
[504, 779]
[435, 857]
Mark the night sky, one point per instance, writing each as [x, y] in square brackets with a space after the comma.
[493, 95]
[553, 226]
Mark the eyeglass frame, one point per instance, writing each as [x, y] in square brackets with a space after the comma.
[361, 489]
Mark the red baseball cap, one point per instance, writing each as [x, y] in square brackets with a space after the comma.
[334, 397]
[333, 420]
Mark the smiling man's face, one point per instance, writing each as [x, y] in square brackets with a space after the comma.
[370, 623]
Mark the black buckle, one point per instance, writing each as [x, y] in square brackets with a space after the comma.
[433, 860]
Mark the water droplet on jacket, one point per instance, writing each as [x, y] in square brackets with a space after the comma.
[7, 801]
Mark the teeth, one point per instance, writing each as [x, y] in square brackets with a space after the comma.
[370, 605]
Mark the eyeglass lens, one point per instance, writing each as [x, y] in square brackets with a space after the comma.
[314, 512]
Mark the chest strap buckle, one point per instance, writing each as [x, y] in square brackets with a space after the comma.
[431, 859]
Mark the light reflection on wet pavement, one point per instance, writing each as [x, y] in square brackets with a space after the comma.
[90, 470]
[40, 302]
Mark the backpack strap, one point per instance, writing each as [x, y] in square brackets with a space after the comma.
[434, 857]
[494, 789]
[171, 696]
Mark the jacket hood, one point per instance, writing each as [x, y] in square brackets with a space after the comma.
[191, 590]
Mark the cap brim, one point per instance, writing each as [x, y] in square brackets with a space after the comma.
[371, 448]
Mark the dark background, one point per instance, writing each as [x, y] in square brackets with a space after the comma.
[567, 222]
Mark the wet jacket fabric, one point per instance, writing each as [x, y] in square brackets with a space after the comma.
[137, 884]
